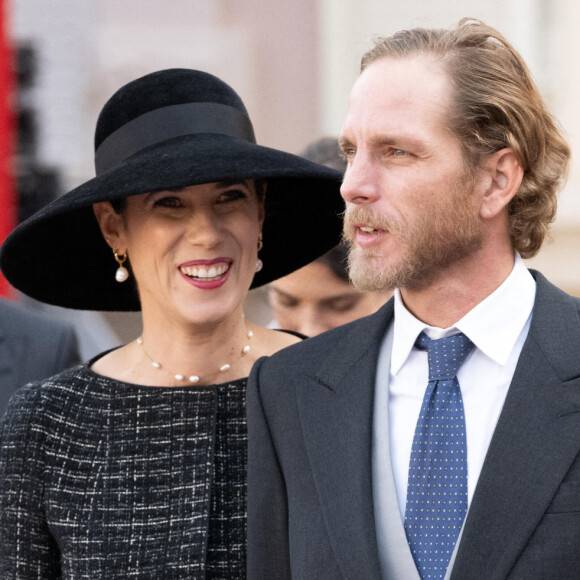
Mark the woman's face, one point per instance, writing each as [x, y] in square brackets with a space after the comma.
[313, 300]
[192, 251]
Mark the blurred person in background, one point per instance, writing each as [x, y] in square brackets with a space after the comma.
[134, 464]
[32, 347]
[319, 296]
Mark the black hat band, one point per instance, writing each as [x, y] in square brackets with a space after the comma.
[169, 122]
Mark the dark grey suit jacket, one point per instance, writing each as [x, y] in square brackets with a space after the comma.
[310, 504]
[32, 347]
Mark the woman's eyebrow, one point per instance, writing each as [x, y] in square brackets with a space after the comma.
[230, 182]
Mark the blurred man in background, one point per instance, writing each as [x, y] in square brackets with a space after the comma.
[32, 347]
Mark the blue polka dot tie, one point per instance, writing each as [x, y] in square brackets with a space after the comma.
[437, 487]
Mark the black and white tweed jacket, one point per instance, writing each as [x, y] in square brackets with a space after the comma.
[103, 479]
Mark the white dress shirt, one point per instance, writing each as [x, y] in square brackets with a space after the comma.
[498, 327]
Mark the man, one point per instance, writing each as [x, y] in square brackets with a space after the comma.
[440, 437]
[32, 347]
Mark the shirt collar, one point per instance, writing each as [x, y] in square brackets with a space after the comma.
[493, 325]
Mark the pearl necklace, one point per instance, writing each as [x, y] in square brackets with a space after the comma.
[191, 378]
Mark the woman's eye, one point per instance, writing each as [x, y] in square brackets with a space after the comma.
[169, 201]
[232, 195]
[286, 302]
[343, 304]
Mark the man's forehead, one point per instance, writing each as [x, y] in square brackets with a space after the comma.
[403, 80]
[394, 91]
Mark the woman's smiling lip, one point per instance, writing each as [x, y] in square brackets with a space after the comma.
[206, 274]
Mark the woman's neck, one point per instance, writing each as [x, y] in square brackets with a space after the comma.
[182, 355]
[200, 350]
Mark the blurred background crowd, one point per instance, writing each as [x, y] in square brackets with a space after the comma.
[293, 64]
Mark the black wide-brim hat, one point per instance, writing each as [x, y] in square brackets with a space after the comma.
[170, 129]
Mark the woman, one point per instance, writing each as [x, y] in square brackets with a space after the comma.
[133, 465]
[319, 296]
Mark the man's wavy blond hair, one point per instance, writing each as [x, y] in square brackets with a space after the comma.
[496, 104]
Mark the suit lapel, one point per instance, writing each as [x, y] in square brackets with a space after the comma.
[535, 442]
[336, 410]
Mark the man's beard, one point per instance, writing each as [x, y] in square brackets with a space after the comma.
[438, 236]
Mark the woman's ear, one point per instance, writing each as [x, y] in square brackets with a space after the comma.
[504, 174]
[262, 201]
[111, 225]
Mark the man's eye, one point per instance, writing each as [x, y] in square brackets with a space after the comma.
[399, 153]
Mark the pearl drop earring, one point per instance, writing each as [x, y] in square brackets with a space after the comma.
[122, 273]
[259, 263]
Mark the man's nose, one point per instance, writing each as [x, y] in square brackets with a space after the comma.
[361, 181]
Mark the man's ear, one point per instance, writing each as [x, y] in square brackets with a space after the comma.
[111, 225]
[504, 175]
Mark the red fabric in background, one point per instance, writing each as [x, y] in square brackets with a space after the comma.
[8, 198]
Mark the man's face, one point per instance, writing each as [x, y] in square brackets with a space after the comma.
[412, 206]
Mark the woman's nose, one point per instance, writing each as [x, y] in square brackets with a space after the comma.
[203, 229]
[311, 323]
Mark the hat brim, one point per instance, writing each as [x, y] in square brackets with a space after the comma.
[59, 256]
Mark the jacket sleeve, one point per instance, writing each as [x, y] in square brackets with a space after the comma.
[27, 550]
[268, 546]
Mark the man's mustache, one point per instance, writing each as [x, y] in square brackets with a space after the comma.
[356, 215]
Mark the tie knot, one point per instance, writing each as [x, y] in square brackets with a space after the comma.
[445, 355]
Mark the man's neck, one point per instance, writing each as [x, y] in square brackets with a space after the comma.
[458, 289]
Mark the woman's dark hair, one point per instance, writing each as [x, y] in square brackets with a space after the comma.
[327, 152]
[337, 260]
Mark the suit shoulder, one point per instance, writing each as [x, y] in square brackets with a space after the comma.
[310, 352]
[17, 320]
[24, 414]
[32, 399]
[35, 413]
[550, 298]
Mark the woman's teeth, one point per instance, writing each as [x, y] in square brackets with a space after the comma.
[204, 272]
